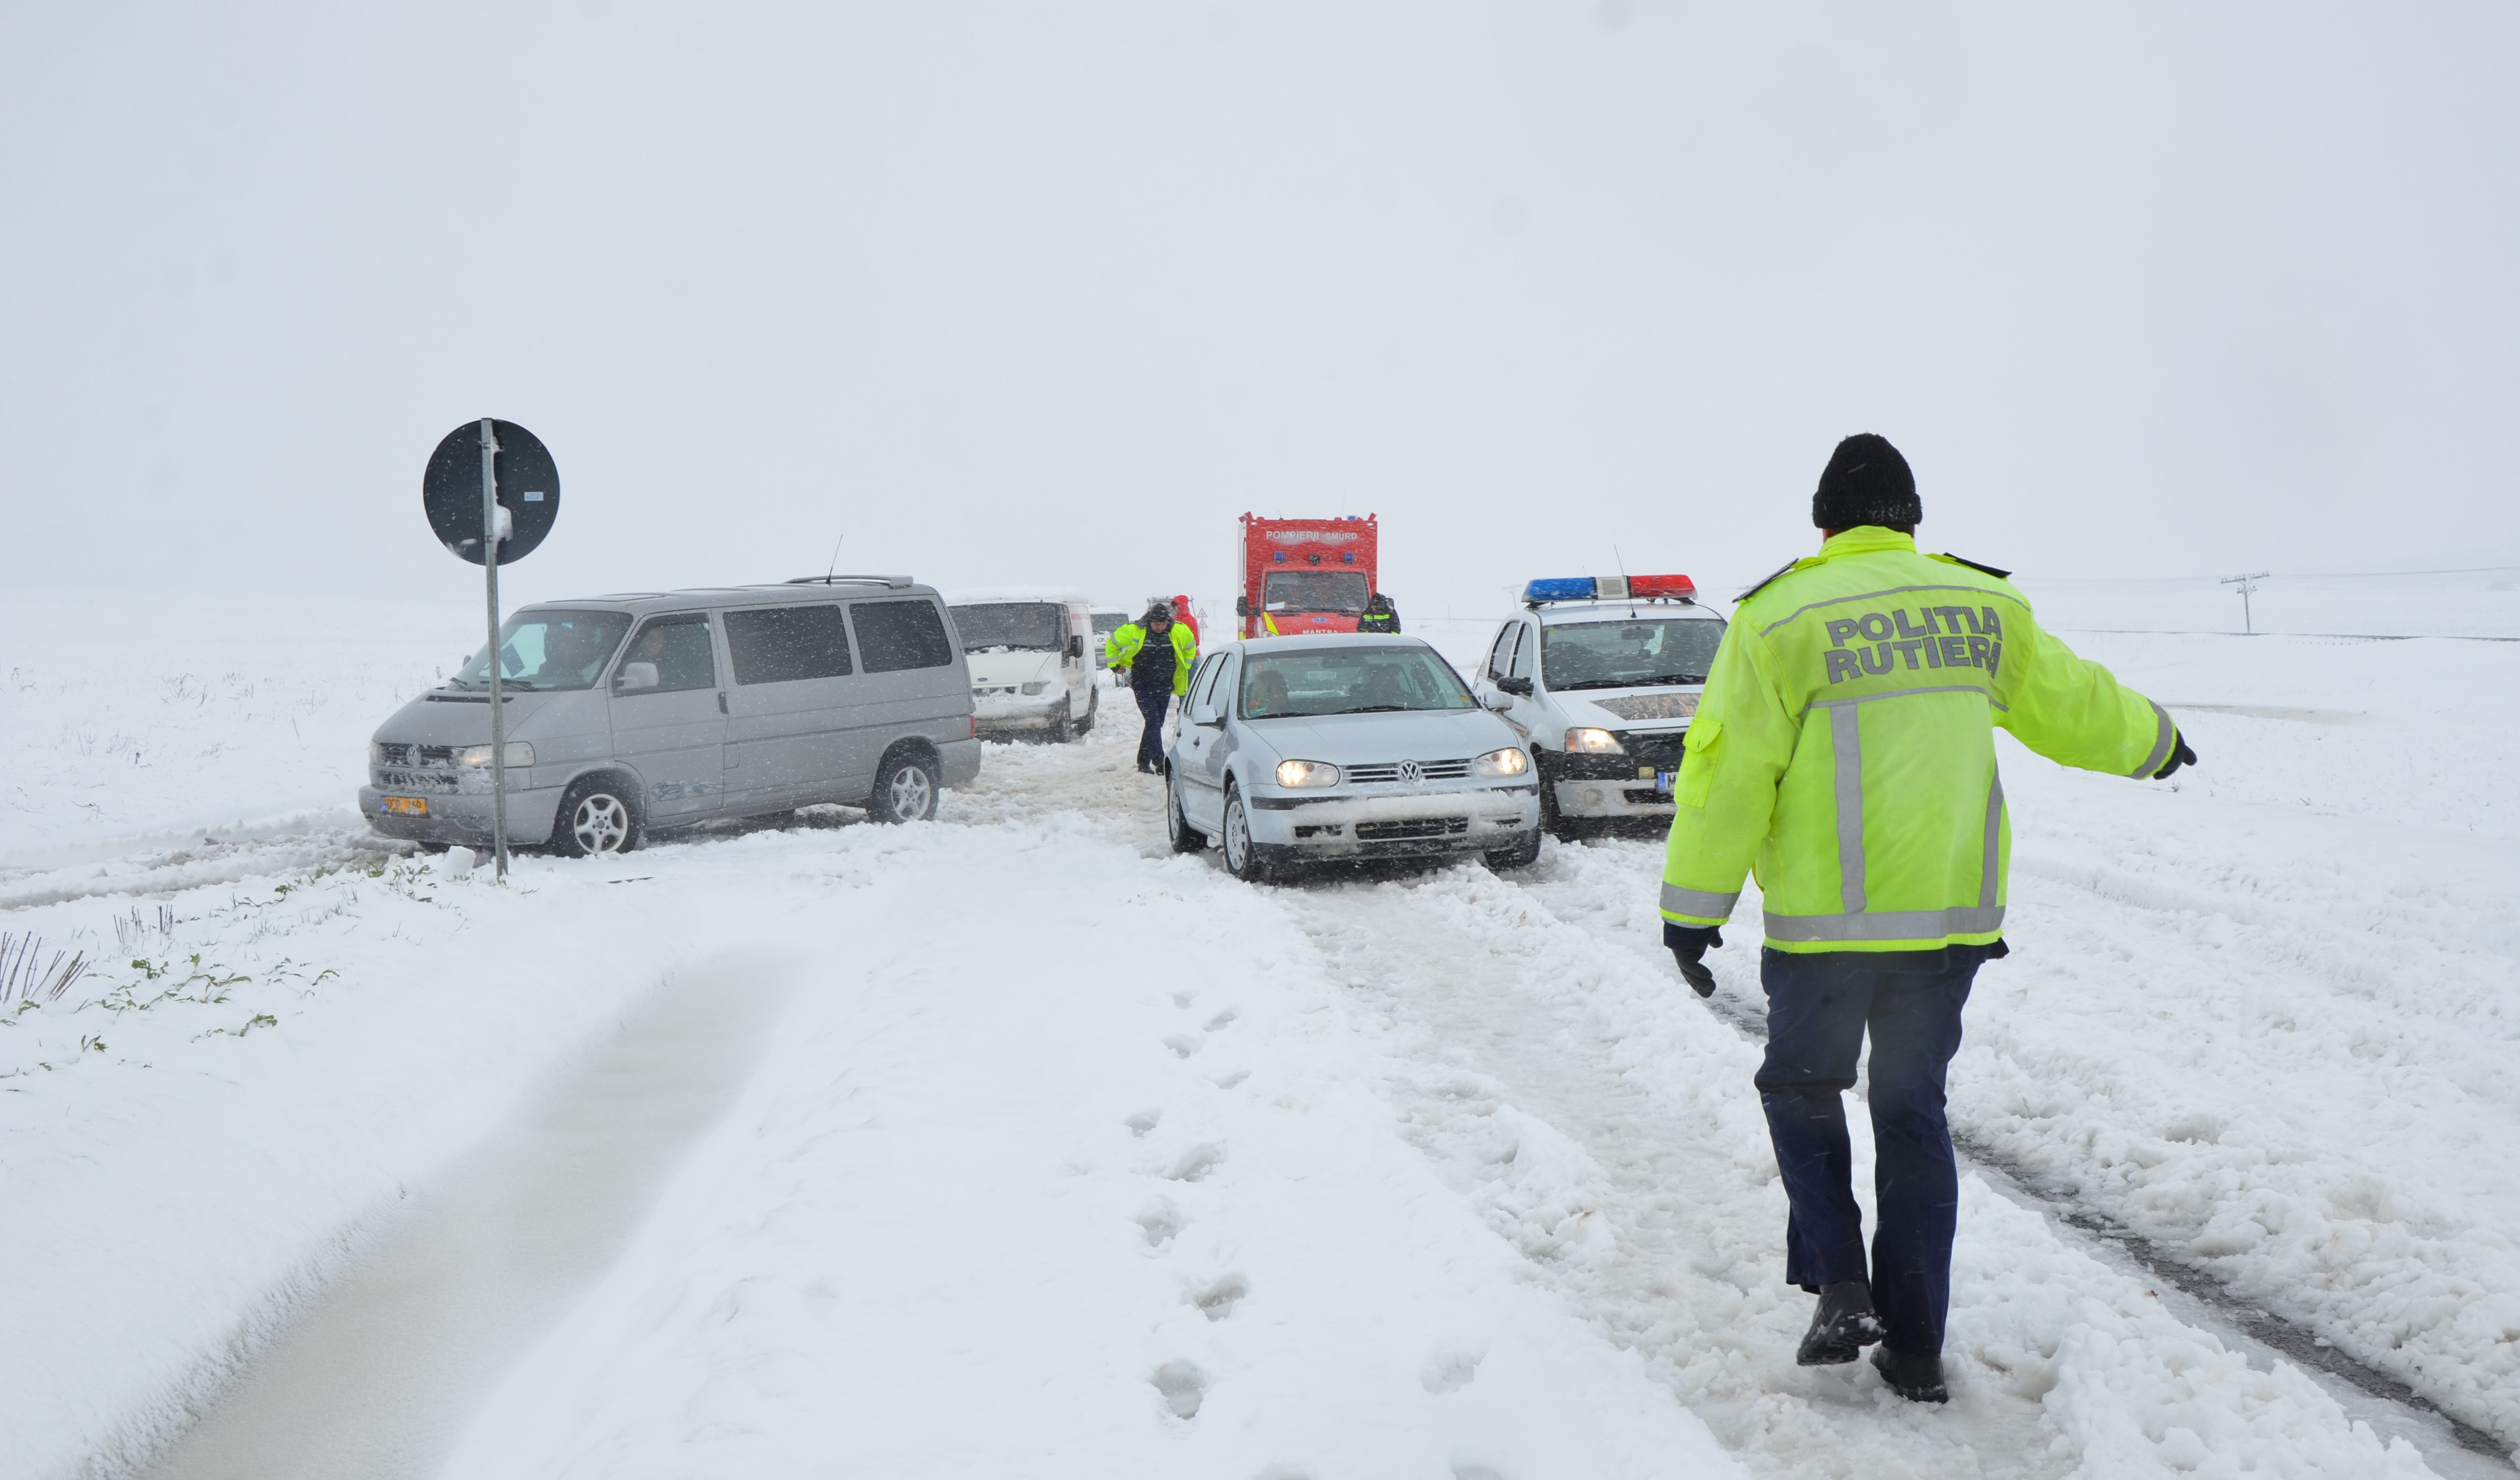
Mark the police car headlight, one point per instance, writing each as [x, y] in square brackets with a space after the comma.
[1037, 688]
[1510, 761]
[1590, 741]
[1307, 774]
[520, 753]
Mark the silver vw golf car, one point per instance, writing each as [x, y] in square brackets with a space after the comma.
[1343, 746]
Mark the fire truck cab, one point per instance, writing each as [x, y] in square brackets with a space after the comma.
[1303, 576]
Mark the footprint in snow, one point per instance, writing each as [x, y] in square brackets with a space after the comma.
[1451, 1370]
[1184, 999]
[1159, 1221]
[1142, 1122]
[1183, 1385]
[1182, 1045]
[1223, 1018]
[1194, 1164]
[1218, 1300]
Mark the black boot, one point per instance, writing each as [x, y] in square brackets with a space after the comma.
[1919, 1379]
[1843, 1325]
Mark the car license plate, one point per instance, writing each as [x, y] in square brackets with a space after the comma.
[1663, 780]
[408, 806]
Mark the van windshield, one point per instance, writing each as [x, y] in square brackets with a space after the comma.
[549, 649]
[1314, 590]
[1001, 626]
[1630, 655]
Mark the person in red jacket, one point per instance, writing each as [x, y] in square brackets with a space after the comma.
[1181, 614]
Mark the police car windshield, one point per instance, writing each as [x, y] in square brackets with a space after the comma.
[549, 649]
[996, 626]
[1349, 680]
[1628, 654]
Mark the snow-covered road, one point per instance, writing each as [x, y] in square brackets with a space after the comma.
[1058, 1137]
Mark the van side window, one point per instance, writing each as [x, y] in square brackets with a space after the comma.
[778, 645]
[896, 635]
[679, 647]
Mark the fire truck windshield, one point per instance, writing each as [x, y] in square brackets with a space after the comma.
[1342, 591]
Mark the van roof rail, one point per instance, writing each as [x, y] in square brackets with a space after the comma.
[896, 582]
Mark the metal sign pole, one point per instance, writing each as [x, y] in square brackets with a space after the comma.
[498, 704]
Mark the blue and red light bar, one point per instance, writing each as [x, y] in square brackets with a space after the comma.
[1609, 588]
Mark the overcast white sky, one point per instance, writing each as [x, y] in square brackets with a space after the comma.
[1025, 292]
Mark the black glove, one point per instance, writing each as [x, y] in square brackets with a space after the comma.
[1688, 944]
[2179, 755]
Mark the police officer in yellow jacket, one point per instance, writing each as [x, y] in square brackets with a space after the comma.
[1844, 751]
[1158, 654]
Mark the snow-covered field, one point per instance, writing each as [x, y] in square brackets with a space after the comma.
[1013, 1144]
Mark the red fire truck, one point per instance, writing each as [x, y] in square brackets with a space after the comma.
[1305, 575]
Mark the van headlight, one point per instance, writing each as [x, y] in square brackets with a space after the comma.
[1037, 688]
[1589, 741]
[520, 753]
[1510, 761]
[1307, 774]
[376, 752]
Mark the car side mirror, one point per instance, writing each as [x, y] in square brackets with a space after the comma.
[633, 677]
[1075, 646]
[1495, 702]
[1521, 686]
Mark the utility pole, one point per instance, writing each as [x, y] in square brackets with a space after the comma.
[2247, 584]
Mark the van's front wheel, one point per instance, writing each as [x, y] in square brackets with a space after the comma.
[596, 818]
[904, 789]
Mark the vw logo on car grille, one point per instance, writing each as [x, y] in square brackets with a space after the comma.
[1411, 772]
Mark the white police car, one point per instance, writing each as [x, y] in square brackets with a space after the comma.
[1603, 676]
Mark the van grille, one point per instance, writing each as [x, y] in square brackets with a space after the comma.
[1389, 771]
[1412, 826]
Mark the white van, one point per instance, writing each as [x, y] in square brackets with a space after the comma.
[1031, 654]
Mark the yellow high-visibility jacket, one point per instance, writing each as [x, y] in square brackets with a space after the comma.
[1125, 641]
[1845, 748]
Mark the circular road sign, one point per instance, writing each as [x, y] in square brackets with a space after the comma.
[528, 489]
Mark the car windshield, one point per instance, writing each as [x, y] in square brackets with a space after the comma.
[549, 649]
[1314, 590]
[1349, 680]
[1629, 655]
[999, 626]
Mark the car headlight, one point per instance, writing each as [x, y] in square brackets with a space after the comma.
[1590, 741]
[520, 753]
[1307, 774]
[1510, 761]
[1037, 688]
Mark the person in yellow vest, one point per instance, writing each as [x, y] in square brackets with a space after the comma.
[1156, 654]
[1844, 751]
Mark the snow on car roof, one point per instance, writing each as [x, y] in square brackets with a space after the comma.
[974, 595]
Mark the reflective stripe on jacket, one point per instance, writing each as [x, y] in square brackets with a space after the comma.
[1844, 750]
[1125, 641]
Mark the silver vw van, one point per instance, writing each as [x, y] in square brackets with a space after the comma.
[631, 713]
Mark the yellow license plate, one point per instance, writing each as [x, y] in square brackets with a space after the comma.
[408, 806]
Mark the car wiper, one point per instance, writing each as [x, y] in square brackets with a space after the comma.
[1631, 683]
[1373, 710]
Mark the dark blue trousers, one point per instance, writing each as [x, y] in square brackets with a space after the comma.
[1819, 1008]
[1152, 703]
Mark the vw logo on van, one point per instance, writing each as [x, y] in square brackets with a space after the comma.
[1412, 773]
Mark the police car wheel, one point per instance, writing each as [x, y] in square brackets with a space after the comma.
[1185, 837]
[1551, 822]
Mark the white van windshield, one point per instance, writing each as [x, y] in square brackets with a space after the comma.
[549, 649]
[1001, 626]
[1630, 655]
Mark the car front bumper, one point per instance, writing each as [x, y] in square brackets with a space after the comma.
[464, 817]
[1396, 823]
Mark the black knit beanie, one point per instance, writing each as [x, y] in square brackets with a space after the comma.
[1865, 483]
